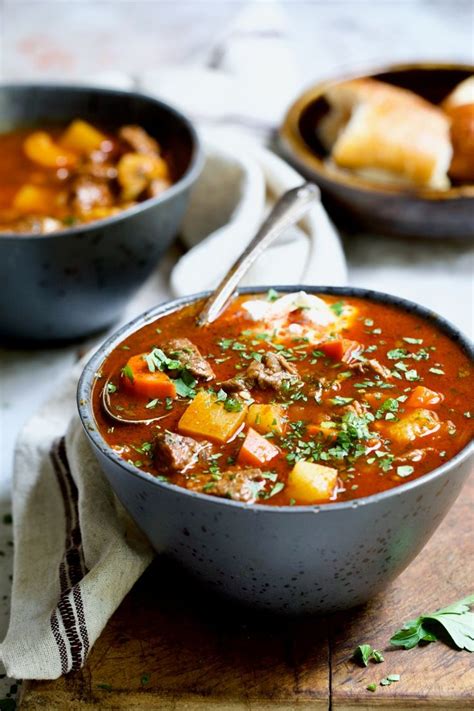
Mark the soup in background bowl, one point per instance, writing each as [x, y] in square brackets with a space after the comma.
[64, 284]
[55, 177]
[299, 451]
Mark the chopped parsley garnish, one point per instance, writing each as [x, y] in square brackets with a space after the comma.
[127, 372]
[389, 406]
[272, 295]
[338, 308]
[353, 431]
[413, 341]
[158, 360]
[153, 403]
[185, 384]
[338, 400]
[436, 371]
[111, 388]
[405, 470]
[397, 353]
[279, 486]
[232, 404]
[225, 343]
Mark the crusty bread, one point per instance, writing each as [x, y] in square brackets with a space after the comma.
[459, 106]
[386, 133]
[461, 95]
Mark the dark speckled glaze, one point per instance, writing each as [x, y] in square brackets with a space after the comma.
[300, 559]
[71, 283]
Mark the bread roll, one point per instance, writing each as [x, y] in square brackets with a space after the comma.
[386, 134]
[459, 106]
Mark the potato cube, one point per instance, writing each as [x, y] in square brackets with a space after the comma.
[207, 417]
[32, 199]
[412, 425]
[310, 483]
[266, 418]
[81, 137]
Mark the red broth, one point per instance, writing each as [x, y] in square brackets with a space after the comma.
[365, 408]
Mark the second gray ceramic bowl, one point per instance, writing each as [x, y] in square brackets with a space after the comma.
[293, 559]
[72, 283]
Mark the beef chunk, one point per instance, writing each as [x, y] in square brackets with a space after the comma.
[239, 485]
[189, 356]
[139, 140]
[175, 453]
[273, 371]
[90, 192]
[235, 386]
[372, 364]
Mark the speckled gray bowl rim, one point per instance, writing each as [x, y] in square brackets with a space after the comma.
[86, 382]
[187, 179]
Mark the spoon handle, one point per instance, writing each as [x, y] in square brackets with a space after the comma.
[287, 210]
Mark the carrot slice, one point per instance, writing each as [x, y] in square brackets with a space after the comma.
[341, 349]
[423, 397]
[138, 379]
[256, 449]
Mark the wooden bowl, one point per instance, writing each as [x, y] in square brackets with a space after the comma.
[359, 203]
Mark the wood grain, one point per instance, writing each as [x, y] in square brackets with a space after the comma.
[172, 647]
[434, 676]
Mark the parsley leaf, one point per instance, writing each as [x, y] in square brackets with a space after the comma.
[232, 404]
[128, 373]
[185, 385]
[338, 400]
[456, 620]
[338, 307]
[405, 470]
[364, 653]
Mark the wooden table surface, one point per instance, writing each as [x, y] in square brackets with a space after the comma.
[39, 41]
[173, 647]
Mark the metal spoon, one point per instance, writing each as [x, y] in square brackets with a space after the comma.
[287, 210]
[105, 398]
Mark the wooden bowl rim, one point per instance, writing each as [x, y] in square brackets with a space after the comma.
[297, 147]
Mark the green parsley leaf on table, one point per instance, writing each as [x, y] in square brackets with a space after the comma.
[456, 620]
[364, 653]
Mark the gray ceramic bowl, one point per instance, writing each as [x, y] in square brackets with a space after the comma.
[290, 558]
[71, 283]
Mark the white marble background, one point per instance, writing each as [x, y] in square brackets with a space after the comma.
[71, 38]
